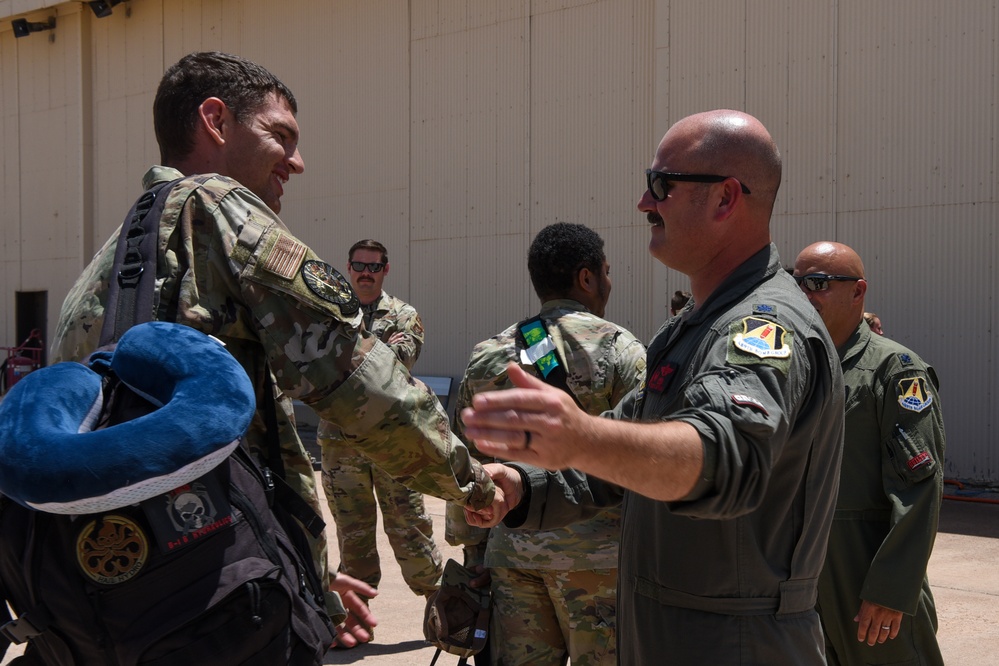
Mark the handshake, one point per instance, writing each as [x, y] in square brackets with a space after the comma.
[509, 493]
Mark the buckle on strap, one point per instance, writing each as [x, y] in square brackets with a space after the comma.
[27, 626]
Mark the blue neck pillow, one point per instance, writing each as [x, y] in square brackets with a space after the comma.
[53, 459]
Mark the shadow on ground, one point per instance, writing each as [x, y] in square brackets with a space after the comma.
[969, 518]
[362, 652]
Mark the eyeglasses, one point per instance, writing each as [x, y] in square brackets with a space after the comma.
[373, 267]
[820, 281]
[658, 181]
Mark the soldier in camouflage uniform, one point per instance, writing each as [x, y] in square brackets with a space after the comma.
[228, 266]
[874, 597]
[554, 591]
[350, 480]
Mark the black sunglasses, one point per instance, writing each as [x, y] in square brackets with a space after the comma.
[373, 267]
[658, 181]
[820, 281]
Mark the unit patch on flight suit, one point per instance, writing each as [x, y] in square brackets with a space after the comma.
[913, 395]
[328, 284]
[754, 340]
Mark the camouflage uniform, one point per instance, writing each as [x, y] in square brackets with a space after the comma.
[228, 266]
[554, 591]
[350, 481]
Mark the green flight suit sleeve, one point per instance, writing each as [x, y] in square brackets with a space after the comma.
[912, 443]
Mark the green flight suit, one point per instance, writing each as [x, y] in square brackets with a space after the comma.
[891, 487]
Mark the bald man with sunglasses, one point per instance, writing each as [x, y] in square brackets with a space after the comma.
[727, 456]
[874, 596]
[350, 480]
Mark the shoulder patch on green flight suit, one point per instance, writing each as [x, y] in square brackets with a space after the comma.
[913, 394]
[328, 284]
[754, 340]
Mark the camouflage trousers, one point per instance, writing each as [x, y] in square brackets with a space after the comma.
[352, 483]
[543, 617]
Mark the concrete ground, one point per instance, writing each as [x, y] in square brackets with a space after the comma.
[964, 574]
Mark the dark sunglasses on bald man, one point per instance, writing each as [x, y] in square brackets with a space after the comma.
[373, 267]
[658, 182]
[820, 281]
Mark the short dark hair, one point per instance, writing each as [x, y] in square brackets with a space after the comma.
[368, 244]
[558, 253]
[679, 299]
[243, 85]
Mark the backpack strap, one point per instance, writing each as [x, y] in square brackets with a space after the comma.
[540, 350]
[131, 287]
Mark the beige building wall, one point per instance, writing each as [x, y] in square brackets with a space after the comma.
[453, 131]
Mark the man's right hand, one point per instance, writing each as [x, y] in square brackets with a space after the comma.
[510, 491]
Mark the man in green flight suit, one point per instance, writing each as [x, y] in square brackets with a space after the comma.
[874, 597]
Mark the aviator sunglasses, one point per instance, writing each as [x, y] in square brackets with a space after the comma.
[659, 181]
[373, 267]
[820, 281]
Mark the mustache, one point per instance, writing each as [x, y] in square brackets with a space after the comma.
[654, 218]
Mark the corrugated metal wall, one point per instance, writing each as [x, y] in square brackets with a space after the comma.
[453, 131]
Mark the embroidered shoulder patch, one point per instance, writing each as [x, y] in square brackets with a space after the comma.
[905, 359]
[113, 552]
[749, 401]
[764, 308]
[762, 338]
[328, 284]
[284, 257]
[912, 394]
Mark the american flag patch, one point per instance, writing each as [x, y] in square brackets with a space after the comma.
[284, 257]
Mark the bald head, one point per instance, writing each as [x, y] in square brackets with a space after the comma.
[736, 144]
[841, 302]
[715, 214]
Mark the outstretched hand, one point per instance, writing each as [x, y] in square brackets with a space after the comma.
[534, 423]
[356, 628]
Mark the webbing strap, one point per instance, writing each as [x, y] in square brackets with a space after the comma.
[133, 279]
[541, 352]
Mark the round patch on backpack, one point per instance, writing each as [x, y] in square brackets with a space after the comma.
[328, 284]
[113, 552]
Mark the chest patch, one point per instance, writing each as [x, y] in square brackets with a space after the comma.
[328, 284]
[661, 377]
[912, 394]
[762, 338]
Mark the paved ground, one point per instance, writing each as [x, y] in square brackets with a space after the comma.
[964, 573]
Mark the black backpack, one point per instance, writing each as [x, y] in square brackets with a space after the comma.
[226, 575]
